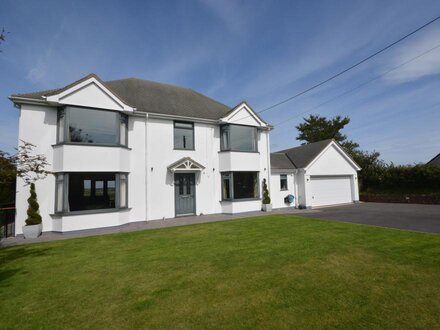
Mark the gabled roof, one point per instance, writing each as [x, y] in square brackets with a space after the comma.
[243, 105]
[303, 156]
[280, 161]
[434, 161]
[152, 97]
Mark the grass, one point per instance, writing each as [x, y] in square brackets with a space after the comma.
[267, 272]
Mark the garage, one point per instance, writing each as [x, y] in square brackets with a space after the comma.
[330, 190]
[323, 174]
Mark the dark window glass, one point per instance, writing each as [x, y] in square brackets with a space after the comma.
[99, 188]
[183, 135]
[226, 186]
[87, 188]
[92, 126]
[224, 141]
[98, 197]
[238, 138]
[90, 191]
[283, 181]
[245, 185]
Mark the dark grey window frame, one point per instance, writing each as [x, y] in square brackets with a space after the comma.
[193, 134]
[65, 183]
[287, 182]
[223, 148]
[63, 113]
[231, 187]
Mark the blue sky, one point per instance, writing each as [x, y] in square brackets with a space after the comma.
[258, 51]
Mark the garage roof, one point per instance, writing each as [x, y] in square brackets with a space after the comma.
[303, 155]
[280, 161]
[434, 161]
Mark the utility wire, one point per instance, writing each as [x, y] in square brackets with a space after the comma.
[357, 87]
[349, 68]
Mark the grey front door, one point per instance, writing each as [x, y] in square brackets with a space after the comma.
[185, 193]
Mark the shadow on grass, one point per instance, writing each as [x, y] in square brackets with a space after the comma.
[9, 258]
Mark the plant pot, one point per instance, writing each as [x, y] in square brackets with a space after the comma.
[32, 231]
[267, 207]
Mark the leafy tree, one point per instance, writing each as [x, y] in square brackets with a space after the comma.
[317, 128]
[8, 176]
[34, 218]
[25, 164]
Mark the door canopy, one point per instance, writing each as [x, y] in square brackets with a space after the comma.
[185, 164]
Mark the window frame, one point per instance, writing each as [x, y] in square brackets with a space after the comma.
[287, 182]
[64, 180]
[231, 187]
[193, 134]
[63, 114]
[222, 147]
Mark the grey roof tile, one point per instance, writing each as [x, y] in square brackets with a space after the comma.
[153, 97]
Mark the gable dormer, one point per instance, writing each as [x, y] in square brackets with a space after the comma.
[243, 114]
[88, 92]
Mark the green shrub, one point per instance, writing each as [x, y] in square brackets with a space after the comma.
[266, 198]
[34, 218]
[405, 179]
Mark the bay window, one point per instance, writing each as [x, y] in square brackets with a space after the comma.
[92, 126]
[238, 138]
[86, 191]
[240, 185]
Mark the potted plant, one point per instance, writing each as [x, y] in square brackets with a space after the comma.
[267, 206]
[33, 226]
[30, 167]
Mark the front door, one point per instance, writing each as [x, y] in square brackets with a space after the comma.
[185, 193]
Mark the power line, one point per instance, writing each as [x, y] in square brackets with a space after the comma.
[357, 87]
[349, 68]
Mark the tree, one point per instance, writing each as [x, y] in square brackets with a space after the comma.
[316, 128]
[266, 197]
[34, 218]
[8, 176]
[25, 164]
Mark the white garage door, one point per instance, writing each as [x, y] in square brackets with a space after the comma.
[328, 190]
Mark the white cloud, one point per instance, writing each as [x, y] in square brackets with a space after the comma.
[426, 65]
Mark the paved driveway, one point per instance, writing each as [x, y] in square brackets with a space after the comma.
[424, 218]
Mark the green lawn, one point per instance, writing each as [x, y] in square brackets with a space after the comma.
[266, 272]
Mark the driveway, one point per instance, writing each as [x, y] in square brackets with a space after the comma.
[417, 217]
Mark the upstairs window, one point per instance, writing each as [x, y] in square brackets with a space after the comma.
[238, 138]
[283, 181]
[183, 135]
[91, 126]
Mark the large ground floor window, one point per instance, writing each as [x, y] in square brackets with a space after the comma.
[83, 191]
[240, 185]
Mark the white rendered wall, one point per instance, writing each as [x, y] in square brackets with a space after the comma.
[331, 162]
[276, 194]
[151, 185]
[161, 154]
[37, 125]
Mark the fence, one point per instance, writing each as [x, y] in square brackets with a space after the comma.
[7, 222]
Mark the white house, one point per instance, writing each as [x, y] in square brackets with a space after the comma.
[316, 174]
[133, 150]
